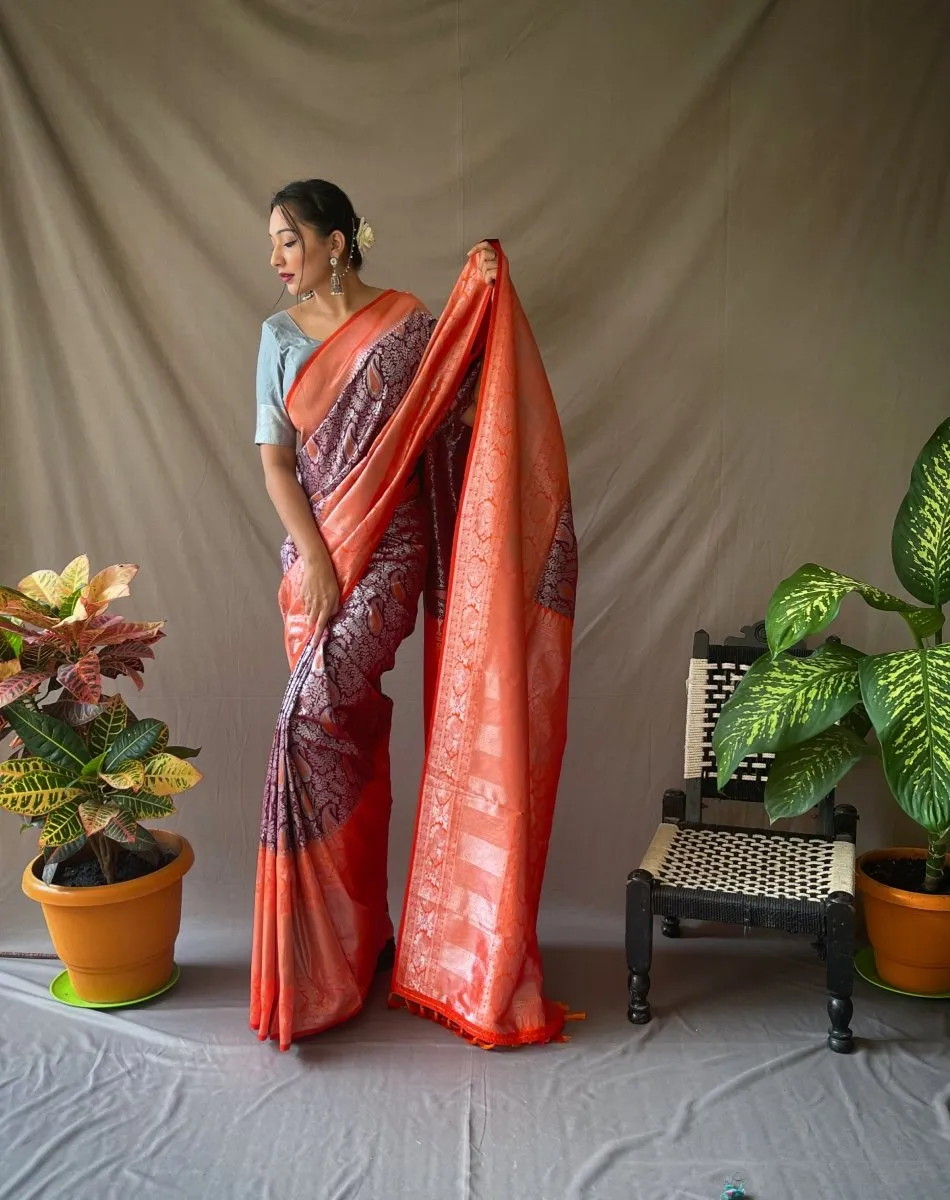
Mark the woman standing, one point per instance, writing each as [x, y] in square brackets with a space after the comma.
[365, 409]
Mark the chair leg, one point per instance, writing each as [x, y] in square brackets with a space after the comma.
[639, 937]
[671, 927]
[840, 964]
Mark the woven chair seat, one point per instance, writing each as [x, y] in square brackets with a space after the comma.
[750, 863]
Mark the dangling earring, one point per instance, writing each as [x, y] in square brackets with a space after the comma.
[336, 287]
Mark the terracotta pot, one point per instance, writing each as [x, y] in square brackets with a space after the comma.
[909, 931]
[116, 941]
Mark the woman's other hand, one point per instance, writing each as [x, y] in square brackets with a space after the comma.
[486, 261]
[319, 593]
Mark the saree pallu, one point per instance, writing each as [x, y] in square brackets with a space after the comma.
[408, 504]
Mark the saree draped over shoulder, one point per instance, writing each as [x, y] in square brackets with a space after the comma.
[411, 504]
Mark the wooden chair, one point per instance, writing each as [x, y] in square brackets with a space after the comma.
[754, 877]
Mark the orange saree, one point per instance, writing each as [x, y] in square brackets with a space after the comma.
[409, 504]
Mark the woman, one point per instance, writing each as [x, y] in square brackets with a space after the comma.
[390, 497]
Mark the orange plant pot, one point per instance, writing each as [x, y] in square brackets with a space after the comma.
[116, 941]
[909, 931]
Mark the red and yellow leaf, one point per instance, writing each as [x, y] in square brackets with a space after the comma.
[82, 679]
[95, 817]
[42, 586]
[23, 608]
[122, 828]
[73, 712]
[74, 577]
[111, 631]
[9, 668]
[110, 584]
[20, 685]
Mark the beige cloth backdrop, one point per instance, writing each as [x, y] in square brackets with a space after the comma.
[728, 222]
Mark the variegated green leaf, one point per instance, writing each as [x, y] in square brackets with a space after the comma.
[108, 725]
[46, 737]
[166, 775]
[803, 775]
[907, 696]
[161, 743]
[920, 545]
[12, 768]
[808, 601]
[127, 776]
[143, 806]
[74, 578]
[133, 742]
[62, 826]
[146, 845]
[54, 856]
[11, 644]
[36, 794]
[783, 701]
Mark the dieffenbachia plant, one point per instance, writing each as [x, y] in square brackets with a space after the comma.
[93, 785]
[816, 713]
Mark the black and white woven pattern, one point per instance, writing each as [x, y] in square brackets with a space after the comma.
[711, 684]
[750, 864]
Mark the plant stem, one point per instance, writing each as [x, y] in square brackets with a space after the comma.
[104, 850]
[936, 872]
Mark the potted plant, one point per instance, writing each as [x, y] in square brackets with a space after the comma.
[85, 771]
[822, 714]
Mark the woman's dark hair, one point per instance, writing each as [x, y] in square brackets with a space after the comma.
[324, 207]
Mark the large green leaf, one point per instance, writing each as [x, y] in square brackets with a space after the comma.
[143, 806]
[783, 701]
[36, 794]
[46, 737]
[907, 696]
[804, 774]
[808, 601]
[108, 725]
[62, 826]
[133, 742]
[920, 545]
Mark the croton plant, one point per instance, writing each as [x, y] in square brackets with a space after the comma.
[82, 768]
[816, 713]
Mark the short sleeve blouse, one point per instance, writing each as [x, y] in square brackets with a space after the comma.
[284, 350]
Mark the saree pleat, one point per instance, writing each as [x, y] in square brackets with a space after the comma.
[406, 504]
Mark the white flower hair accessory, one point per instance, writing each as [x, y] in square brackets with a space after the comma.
[365, 238]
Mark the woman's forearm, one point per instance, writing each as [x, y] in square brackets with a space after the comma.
[293, 508]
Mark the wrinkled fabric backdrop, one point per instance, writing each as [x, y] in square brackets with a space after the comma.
[728, 222]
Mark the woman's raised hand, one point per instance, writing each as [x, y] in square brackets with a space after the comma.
[487, 261]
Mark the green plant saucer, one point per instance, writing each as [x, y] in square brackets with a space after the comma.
[864, 965]
[62, 990]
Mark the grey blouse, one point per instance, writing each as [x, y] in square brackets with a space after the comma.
[284, 350]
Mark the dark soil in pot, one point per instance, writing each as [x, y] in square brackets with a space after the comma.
[904, 873]
[89, 874]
